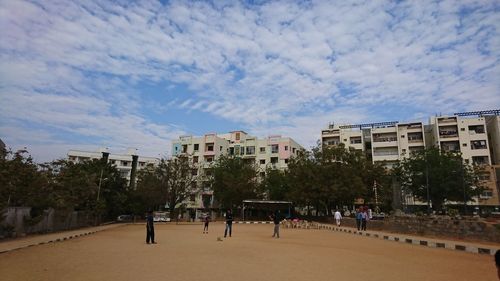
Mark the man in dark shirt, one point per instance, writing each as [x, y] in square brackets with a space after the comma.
[276, 219]
[229, 222]
[150, 229]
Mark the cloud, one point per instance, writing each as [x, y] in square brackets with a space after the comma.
[79, 68]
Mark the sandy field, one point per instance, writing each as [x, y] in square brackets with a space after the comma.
[184, 253]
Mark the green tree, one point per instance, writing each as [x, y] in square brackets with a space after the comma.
[91, 185]
[22, 183]
[170, 182]
[275, 184]
[441, 174]
[233, 180]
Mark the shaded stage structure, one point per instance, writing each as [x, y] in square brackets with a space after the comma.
[261, 209]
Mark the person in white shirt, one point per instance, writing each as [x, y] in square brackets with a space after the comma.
[337, 217]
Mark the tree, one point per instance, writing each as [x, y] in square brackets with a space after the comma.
[233, 180]
[440, 174]
[170, 183]
[329, 177]
[275, 184]
[21, 182]
[91, 185]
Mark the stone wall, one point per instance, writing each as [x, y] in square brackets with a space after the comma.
[470, 229]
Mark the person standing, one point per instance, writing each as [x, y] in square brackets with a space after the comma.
[337, 217]
[276, 218]
[364, 218]
[229, 222]
[358, 218]
[205, 227]
[150, 229]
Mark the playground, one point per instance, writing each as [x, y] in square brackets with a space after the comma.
[183, 252]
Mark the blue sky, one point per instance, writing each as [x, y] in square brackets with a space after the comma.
[89, 74]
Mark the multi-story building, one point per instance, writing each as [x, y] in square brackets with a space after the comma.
[466, 135]
[127, 164]
[476, 135]
[385, 142]
[273, 151]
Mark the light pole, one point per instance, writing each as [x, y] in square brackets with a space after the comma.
[427, 185]
[99, 186]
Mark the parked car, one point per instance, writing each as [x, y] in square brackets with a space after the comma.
[161, 217]
[124, 218]
[378, 216]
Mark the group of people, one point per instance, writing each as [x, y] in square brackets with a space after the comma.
[363, 215]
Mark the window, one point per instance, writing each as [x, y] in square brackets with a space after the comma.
[237, 136]
[403, 151]
[286, 161]
[478, 129]
[196, 147]
[464, 144]
[142, 164]
[209, 159]
[263, 161]
[274, 160]
[195, 159]
[462, 129]
[262, 150]
[210, 147]
[231, 151]
[480, 144]
[286, 147]
[274, 148]
[220, 148]
[355, 140]
[250, 150]
[402, 136]
[113, 162]
[184, 148]
[487, 194]
[415, 137]
[194, 172]
[480, 160]
[125, 163]
[484, 177]
[293, 149]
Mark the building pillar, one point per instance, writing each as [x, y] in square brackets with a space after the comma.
[133, 172]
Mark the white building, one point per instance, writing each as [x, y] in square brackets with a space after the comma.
[476, 135]
[127, 164]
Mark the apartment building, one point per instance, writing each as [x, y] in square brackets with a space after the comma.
[350, 136]
[385, 142]
[127, 164]
[476, 135]
[273, 151]
[466, 135]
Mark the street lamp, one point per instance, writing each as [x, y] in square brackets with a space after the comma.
[427, 185]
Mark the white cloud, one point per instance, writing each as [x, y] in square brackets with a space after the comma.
[285, 66]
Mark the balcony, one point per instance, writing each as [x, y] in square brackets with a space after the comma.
[447, 120]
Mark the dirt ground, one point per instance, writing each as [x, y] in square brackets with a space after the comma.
[184, 253]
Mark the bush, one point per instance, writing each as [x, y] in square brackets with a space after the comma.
[6, 230]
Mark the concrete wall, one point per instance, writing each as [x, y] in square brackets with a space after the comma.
[51, 220]
[443, 227]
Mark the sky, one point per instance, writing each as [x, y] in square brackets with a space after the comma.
[119, 74]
